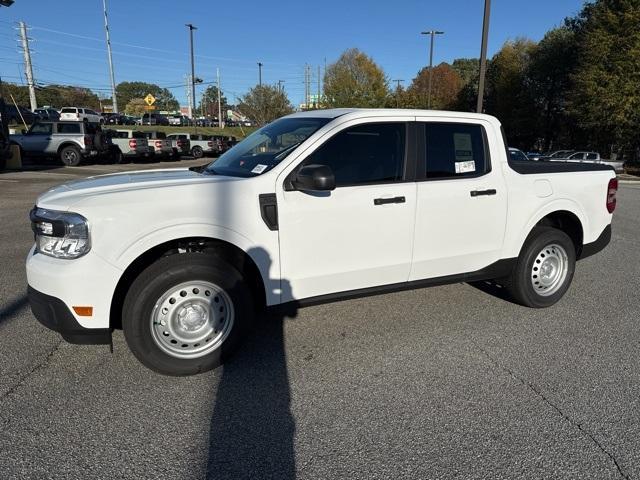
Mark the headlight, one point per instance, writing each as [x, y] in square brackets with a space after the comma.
[60, 234]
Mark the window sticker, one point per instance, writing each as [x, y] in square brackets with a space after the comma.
[259, 168]
[465, 167]
[463, 147]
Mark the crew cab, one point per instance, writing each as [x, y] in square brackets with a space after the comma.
[200, 144]
[71, 142]
[313, 207]
[161, 144]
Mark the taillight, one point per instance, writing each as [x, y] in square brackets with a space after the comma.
[133, 143]
[158, 143]
[612, 192]
[88, 140]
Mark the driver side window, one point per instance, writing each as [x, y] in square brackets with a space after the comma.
[364, 154]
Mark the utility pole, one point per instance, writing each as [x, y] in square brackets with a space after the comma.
[281, 86]
[260, 74]
[220, 125]
[28, 69]
[193, 71]
[114, 101]
[397, 80]
[433, 33]
[318, 97]
[483, 53]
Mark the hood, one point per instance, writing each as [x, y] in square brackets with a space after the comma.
[64, 196]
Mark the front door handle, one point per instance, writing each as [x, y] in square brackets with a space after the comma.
[477, 193]
[383, 201]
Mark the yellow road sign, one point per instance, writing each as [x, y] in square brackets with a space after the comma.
[150, 99]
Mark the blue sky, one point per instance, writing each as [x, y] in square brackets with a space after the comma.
[151, 43]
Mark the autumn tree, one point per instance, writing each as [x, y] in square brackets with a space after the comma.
[209, 102]
[135, 107]
[355, 80]
[445, 85]
[264, 103]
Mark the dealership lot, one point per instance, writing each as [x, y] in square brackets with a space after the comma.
[444, 382]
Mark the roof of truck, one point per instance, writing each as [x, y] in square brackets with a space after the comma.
[364, 112]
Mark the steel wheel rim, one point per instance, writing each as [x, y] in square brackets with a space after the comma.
[549, 270]
[192, 319]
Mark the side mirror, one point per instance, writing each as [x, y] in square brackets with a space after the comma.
[314, 178]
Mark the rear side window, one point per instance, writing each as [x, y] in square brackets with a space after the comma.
[592, 156]
[364, 154]
[138, 135]
[455, 150]
[121, 135]
[69, 128]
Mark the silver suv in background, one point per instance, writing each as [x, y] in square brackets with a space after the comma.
[71, 142]
[80, 115]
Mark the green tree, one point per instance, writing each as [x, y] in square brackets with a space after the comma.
[135, 107]
[445, 86]
[209, 102]
[127, 91]
[549, 73]
[509, 96]
[467, 68]
[605, 98]
[355, 80]
[264, 103]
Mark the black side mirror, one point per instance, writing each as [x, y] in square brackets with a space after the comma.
[314, 178]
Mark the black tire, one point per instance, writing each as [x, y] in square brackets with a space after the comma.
[117, 156]
[70, 156]
[520, 283]
[159, 278]
[197, 152]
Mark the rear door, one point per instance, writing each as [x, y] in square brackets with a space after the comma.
[360, 234]
[461, 200]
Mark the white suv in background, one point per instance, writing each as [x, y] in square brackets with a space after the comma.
[78, 114]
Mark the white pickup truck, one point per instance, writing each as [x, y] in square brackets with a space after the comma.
[312, 207]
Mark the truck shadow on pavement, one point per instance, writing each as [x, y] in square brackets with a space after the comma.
[252, 429]
[13, 307]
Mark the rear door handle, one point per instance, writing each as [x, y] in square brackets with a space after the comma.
[383, 201]
[477, 193]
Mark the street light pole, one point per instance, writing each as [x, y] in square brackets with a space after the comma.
[433, 33]
[260, 74]
[114, 100]
[483, 53]
[193, 71]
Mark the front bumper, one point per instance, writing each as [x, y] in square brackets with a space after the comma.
[54, 314]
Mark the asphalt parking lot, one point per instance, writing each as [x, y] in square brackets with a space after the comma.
[445, 382]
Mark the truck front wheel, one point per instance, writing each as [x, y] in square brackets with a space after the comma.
[186, 313]
[544, 269]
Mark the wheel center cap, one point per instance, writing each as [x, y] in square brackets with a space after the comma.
[192, 317]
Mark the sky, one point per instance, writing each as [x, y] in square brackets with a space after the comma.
[150, 41]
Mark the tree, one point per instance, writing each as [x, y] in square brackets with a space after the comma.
[467, 68]
[549, 79]
[445, 86]
[355, 80]
[264, 103]
[209, 101]
[135, 107]
[509, 96]
[605, 99]
[56, 96]
[127, 91]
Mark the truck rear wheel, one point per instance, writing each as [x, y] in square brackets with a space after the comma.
[197, 152]
[186, 313]
[544, 270]
[70, 156]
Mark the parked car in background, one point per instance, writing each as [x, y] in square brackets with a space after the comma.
[591, 157]
[131, 144]
[116, 119]
[179, 120]
[515, 154]
[225, 141]
[70, 141]
[181, 146]
[16, 116]
[47, 114]
[557, 154]
[534, 155]
[154, 119]
[80, 114]
[201, 145]
[162, 145]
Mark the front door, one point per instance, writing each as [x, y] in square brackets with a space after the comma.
[360, 234]
[38, 138]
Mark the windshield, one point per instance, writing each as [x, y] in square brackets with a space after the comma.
[265, 148]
